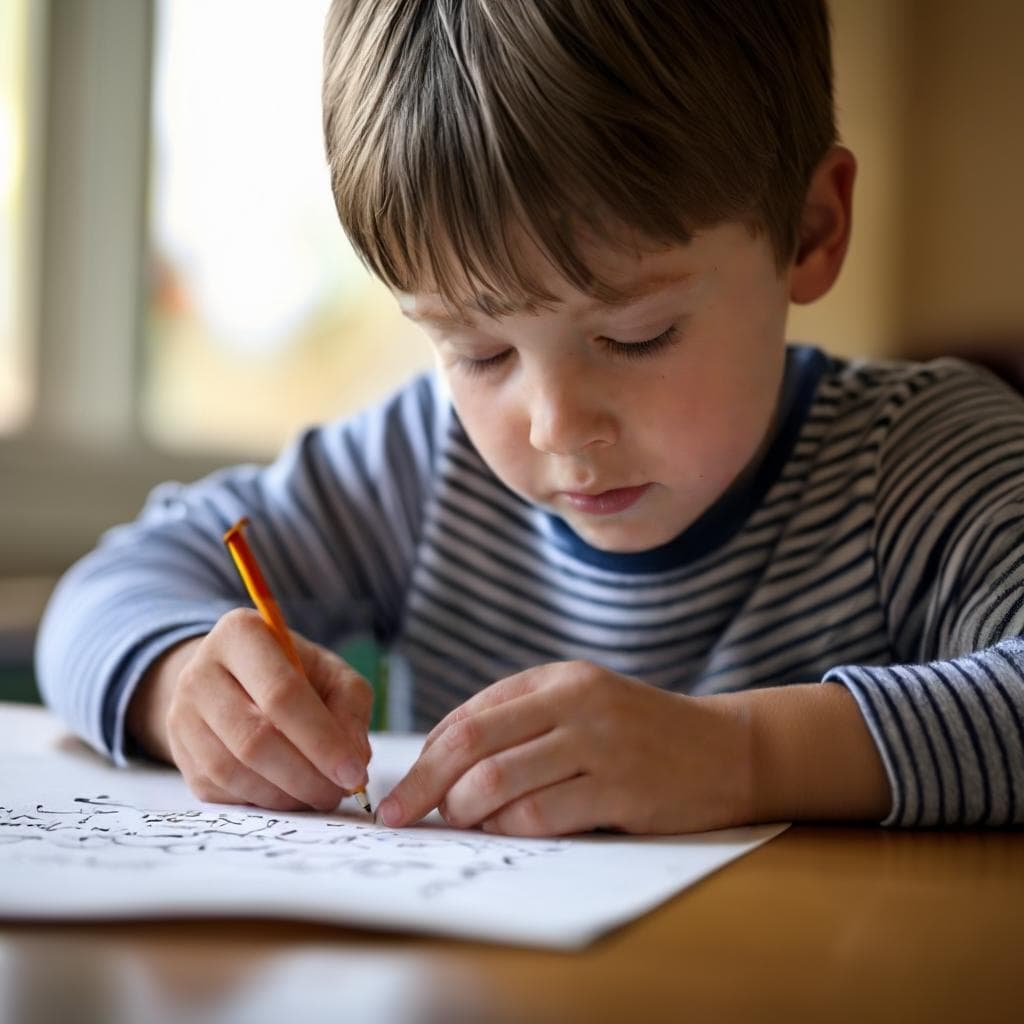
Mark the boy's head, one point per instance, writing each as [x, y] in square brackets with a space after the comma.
[599, 211]
[457, 128]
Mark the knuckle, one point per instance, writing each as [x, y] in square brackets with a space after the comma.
[447, 814]
[222, 770]
[253, 739]
[585, 672]
[462, 736]
[277, 696]
[416, 782]
[531, 820]
[582, 677]
[568, 674]
[490, 777]
[236, 622]
[189, 681]
[175, 718]
[415, 789]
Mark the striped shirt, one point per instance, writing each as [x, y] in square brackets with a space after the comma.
[877, 543]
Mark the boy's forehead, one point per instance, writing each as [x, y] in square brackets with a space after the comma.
[625, 274]
[429, 306]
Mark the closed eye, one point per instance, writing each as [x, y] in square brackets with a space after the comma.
[480, 366]
[642, 349]
[625, 349]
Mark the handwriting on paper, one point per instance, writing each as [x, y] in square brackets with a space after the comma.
[99, 831]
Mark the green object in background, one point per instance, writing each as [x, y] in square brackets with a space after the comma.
[19, 685]
[364, 655]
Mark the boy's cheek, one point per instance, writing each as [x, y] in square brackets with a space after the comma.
[501, 435]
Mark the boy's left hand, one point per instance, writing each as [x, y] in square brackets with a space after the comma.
[570, 747]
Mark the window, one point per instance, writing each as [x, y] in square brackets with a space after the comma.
[18, 40]
[259, 317]
[146, 345]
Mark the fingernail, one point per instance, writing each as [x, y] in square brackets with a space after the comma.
[389, 812]
[351, 775]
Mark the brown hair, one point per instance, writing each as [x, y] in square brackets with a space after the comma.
[454, 128]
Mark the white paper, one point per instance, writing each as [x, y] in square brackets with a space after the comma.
[80, 839]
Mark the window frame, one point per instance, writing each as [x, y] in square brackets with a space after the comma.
[81, 462]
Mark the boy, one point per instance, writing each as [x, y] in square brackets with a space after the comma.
[639, 565]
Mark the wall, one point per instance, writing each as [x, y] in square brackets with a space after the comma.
[964, 222]
[930, 96]
[861, 314]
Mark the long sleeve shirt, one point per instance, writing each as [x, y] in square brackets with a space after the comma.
[877, 543]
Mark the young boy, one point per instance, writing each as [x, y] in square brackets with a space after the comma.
[638, 564]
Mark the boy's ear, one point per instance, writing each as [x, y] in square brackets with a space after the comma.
[824, 226]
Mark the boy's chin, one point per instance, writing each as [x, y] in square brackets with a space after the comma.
[619, 537]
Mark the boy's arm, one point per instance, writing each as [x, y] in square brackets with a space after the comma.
[147, 712]
[334, 518]
[951, 734]
[947, 716]
[570, 746]
[812, 756]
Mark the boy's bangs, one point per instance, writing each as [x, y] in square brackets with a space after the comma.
[475, 146]
[482, 229]
[481, 167]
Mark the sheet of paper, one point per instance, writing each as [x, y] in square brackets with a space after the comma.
[80, 839]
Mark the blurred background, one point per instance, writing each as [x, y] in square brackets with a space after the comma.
[176, 293]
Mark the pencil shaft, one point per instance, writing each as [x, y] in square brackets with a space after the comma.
[258, 589]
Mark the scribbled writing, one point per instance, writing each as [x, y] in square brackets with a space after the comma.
[101, 832]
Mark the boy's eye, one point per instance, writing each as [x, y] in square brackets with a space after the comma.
[479, 366]
[640, 349]
[626, 349]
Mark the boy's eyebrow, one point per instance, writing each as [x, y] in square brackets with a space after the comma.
[430, 316]
[641, 287]
[628, 293]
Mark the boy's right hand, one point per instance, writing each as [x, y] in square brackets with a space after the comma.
[244, 726]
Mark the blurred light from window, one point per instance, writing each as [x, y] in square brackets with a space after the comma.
[16, 384]
[260, 317]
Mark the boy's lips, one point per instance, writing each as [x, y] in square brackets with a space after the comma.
[605, 502]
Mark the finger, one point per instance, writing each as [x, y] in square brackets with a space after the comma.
[250, 652]
[508, 775]
[254, 740]
[215, 776]
[347, 694]
[461, 746]
[562, 809]
[503, 690]
[200, 785]
[195, 779]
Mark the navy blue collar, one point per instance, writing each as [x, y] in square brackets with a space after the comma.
[717, 524]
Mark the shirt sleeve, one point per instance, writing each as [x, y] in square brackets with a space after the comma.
[335, 524]
[948, 718]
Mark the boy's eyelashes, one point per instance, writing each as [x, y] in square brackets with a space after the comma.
[475, 367]
[647, 347]
[624, 349]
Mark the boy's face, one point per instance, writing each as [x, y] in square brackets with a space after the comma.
[627, 420]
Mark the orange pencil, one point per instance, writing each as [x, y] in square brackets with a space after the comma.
[256, 585]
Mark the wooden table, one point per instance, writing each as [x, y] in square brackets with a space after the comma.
[821, 924]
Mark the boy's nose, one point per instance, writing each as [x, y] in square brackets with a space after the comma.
[567, 415]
